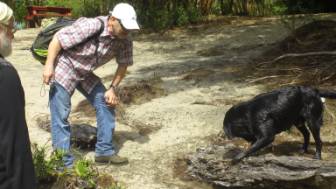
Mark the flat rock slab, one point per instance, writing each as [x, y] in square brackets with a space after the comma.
[213, 165]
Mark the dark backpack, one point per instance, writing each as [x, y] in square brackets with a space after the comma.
[40, 46]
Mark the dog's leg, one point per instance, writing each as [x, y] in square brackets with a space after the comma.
[314, 128]
[266, 137]
[260, 143]
[303, 129]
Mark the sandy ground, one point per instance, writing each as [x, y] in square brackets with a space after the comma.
[195, 67]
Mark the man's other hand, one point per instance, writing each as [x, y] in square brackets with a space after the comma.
[48, 73]
[111, 97]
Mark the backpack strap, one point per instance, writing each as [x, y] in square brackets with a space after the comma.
[96, 37]
[101, 29]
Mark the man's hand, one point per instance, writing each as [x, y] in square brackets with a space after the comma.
[111, 97]
[53, 50]
[48, 73]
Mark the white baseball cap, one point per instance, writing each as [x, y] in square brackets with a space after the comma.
[126, 14]
[6, 13]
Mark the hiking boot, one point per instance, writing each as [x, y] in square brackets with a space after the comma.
[113, 159]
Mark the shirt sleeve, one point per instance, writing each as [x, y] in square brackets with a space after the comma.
[78, 32]
[125, 53]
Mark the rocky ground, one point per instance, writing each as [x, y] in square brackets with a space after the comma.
[177, 92]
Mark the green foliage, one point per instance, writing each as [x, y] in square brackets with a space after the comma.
[76, 5]
[162, 14]
[90, 8]
[194, 14]
[84, 174]
[46, 170]
[279, 8]
[84, 170]
[20, 11]
[216, 9]
[181, 16]
[157, 19]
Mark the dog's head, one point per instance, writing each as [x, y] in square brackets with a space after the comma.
[228, 123]
[235, 124]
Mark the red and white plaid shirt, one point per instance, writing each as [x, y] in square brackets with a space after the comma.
[75, 65]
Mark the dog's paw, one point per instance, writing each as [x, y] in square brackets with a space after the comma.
[238, 158]
[235, 161]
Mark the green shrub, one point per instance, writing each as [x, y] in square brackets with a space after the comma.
[181, 16]
[162, 14]
[157, 19]
[84, 170]
[46, 170]
[90, 8]
[279, 8]
[194, 14]
[50, 172]
[20, 12]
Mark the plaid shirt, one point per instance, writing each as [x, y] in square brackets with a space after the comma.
[75, 64]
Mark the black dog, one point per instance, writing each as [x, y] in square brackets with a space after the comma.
[260, 119]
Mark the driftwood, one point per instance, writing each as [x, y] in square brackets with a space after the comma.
[82, 135]
[213, 165]
[301, 55]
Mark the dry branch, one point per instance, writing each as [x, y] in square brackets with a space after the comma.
[266, 77]
[300, 55]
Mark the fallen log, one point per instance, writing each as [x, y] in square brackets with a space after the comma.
[213, 165]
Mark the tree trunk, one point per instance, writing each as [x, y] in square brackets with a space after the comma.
[245, 7]
[205, 6]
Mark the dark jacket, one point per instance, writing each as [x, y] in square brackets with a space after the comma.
[16, 165]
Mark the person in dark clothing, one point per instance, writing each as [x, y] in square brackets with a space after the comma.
[16, 164]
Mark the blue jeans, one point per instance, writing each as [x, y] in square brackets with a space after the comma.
[60, 106]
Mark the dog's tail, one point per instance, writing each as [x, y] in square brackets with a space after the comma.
[327, 94]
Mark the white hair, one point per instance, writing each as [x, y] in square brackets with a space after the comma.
[5, 42]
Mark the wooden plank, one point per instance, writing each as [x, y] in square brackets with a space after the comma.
[51, 15]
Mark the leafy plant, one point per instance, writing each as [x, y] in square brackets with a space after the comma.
[20, 12]
[84, 170]
[84, 174]
[46, 170]
[279, 8]
[181, 16]
[194, 14]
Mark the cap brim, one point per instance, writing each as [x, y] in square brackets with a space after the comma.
[130, 24]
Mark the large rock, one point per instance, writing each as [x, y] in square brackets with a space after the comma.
[82, 135]
[213, 165]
